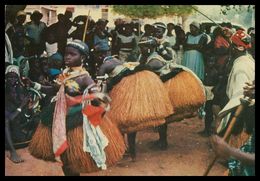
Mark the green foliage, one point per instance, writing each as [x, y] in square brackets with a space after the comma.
[226, 9]
[153, 11]
[243, 14]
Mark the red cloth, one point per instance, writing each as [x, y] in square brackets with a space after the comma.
[221, 42]
[94, 114]
[72, 101]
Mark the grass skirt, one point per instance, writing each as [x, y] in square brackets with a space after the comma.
[74, 157]
[139, 101]
[185, 92]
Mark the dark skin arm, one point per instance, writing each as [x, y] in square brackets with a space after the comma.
[84, 81]
[198, 46]
[49, 90]
[164, 52]
[108, 67]
[155, 64]
[224, 150]
[14, 157]
[249, 90]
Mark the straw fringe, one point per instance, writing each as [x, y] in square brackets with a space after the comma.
[139, 98]
[142, 126]
[41, 144]
[178, 117]
[78, 160]
[185, 92]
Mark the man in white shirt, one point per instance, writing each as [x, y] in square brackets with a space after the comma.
[243, 71]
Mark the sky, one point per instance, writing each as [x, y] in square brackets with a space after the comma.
[213, 12]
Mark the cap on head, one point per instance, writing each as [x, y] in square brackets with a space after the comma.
[195, 24]
[159, 25]
[147, 41]
[20, 13]
[79, 45]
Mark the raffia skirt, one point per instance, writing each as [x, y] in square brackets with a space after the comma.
[74, 157]
[186, 93]
[139, 101]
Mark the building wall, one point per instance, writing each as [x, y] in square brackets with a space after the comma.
[49, 13]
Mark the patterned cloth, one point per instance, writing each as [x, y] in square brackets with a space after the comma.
[235, 166]
[59, 127]
[59, 117]
[94, 142]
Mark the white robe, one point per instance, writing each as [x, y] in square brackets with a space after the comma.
[243, 71]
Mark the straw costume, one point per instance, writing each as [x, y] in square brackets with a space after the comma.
[76, 132]
[139, 100]
[185, 89]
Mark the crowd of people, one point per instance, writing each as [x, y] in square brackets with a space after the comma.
[53, 72]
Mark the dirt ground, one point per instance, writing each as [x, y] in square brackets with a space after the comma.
[188, 154]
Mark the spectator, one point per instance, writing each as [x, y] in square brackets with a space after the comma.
[180, 39]
[34, 30]
[118, 26]
[51, 35]
[193, 46]
[169, 35]
[164, 48]
[241, 160]
[148, 30]
[243, 70]
[126, 41]
[222, 48]
[98, 42]
[210, 80]
[17, 35]
[18, 105]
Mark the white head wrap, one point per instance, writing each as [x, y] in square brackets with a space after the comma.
[196, 24]
[12, 68]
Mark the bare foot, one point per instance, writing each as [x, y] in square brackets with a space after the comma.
[15, 158]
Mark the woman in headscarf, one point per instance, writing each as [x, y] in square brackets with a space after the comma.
[193, 56]
[18, 112]
[79, 135]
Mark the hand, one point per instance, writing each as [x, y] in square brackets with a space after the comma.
[249, 90]
[31, 103]
[159, 41]
[27, 82]
[221, 148]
